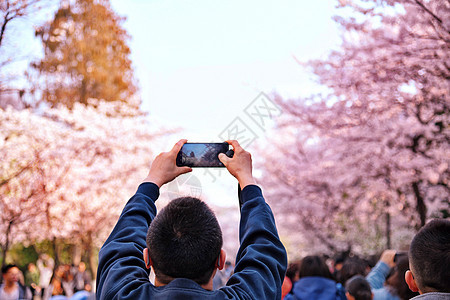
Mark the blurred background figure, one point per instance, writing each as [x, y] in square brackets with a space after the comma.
[222, 276]
[292, 273]
[358, 288]
[11, 287]
[316, 282]
[82, 278]
[32, 279]
[286, 287]
[352, 266]
[45, 265]
[338, 262]
[387, 278]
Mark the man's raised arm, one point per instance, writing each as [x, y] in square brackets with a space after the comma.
[121, 269]
[261, 261]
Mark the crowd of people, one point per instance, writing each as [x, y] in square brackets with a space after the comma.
[391, 278]
[319, 277]
[40, 281]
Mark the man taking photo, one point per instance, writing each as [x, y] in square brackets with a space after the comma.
[183, 242]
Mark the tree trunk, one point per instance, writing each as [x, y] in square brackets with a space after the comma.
[420, 207]
[57, 262]
[76, 255]
[92, 263]
[91, 257]
[5, 247]
[388, 231]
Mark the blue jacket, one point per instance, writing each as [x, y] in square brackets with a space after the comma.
[261, 261]
[376, 279]
[317, 288]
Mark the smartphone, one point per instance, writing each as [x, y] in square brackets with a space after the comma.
[202, 155]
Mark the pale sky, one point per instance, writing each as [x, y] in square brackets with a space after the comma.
[201, 63]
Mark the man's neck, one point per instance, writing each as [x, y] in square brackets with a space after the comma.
[208, 286]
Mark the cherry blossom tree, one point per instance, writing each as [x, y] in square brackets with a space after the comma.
[65, 173]
[368, 159]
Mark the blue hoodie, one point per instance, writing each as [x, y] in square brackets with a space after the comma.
[261, 261]
[317, 288]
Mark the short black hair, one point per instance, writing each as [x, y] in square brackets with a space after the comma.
[6, 268]
[314, 266]
[184, 241]
[359, 287]
[429, 256]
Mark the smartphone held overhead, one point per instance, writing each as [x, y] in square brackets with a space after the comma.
[203, 155]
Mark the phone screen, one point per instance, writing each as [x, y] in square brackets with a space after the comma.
[201, 154]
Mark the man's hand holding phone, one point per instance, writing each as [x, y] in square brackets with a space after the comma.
[240, 165]
[164, 168]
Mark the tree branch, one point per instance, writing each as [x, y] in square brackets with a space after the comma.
[429, 12]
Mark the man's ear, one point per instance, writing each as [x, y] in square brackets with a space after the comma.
[409, 278]
[147, 259]
[220, 262]
[349, 297]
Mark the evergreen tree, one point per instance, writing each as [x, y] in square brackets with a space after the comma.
[86, 55]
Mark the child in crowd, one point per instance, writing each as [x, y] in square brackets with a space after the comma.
[358, 288]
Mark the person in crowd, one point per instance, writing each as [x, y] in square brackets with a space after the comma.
[316, 282]
[56, 284]
[352, 266]
[387, 277]
[11, 288]
[338, 262]
[67, 280]
[82, 278]
[429, 261]
[45, 265]
[59, 284]
[358, 288]
[182, 243]
[32, 279]
[292, 271]
[286, 288]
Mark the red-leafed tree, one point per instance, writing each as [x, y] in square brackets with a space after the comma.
[369, 159]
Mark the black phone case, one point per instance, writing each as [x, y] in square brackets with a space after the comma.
[208, 158]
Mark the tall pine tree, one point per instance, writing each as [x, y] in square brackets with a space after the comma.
[86, 55]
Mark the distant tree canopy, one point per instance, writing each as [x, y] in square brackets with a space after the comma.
[86, 55]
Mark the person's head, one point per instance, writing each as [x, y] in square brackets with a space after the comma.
[338, 263]
[292, 271]
[184, 241]
[429, 258]
[10, 274]
[82, 267]
[31, 267]
[352, 266]
[314, 266]
[357, 288]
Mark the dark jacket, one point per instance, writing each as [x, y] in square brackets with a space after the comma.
[317, 288]
[261, 261]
